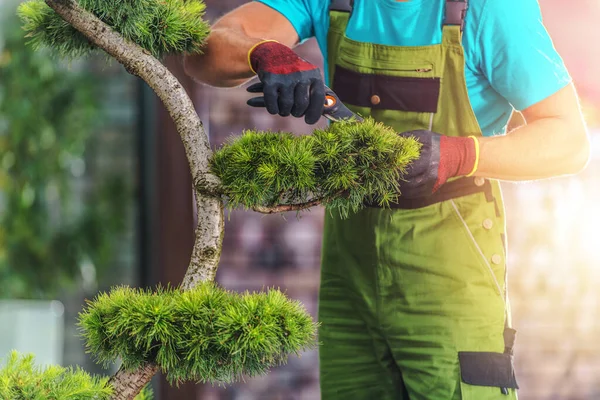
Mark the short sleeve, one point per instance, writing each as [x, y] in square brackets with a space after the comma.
[298, 12]
[517, 54]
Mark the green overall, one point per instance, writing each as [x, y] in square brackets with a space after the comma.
[413, 301]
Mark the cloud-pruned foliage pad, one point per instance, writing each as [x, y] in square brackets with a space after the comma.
[159, 26]
[205, 334]
[345, 165]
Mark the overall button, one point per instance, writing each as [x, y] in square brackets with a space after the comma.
[488, 223]
[375, 100]
[479, 181]
[496, 259]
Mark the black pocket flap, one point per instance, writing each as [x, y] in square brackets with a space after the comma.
[392, 92]
[487, 369]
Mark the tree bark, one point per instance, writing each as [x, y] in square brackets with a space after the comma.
[209, 231]
[127, 384]
[281, 208]
[287, 207]
[208, 243]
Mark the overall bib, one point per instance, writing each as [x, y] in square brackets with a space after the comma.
[413, 301]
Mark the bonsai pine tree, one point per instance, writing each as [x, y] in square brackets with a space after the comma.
[198, 331]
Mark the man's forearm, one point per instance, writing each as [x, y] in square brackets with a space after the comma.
[545, 148]
[553, 143]
[225, 59]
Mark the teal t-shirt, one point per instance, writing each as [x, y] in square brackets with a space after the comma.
[510, 58]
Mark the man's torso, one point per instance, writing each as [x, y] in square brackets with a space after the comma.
[510, 59]
[419, 23]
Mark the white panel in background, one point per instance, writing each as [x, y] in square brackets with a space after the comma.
[32, 326]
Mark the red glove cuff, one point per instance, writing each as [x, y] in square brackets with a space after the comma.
[458, 157]
[276, 58]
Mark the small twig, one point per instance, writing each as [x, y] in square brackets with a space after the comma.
[281, 208]
[287, 207]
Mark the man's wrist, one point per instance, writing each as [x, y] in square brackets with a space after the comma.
[250, 61]
[476, 163]
[459, 156]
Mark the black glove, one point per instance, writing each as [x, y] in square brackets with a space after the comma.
[442, 157]
[290, 84]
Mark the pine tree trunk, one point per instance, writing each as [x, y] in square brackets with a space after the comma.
[209, 231]
[127, 384]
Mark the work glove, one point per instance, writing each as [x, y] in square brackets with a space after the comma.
[442, 157]
[290, 84]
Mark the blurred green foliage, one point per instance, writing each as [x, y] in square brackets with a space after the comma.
[53, 221]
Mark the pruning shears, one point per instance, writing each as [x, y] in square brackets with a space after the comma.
[334, 110]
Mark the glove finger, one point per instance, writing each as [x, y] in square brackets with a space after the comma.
[301, 99]
[255, 88]
[271, 97]
[285, 100]
[256, 102]
[317, 102]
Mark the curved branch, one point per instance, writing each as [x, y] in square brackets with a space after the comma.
[287, 207]
[295, 207]
[208, 244]
[209, 231]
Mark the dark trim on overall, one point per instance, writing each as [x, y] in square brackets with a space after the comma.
[393, 92]
[451, 190]
[456, 11]
[481, 368]
[342, 5]
[487, 369]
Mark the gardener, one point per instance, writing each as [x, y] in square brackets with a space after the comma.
[413, 300]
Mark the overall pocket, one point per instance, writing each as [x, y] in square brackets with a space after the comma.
[391, 68]
[489, 375]
[385, 92]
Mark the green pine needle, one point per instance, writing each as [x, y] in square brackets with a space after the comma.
[20, 379]
[346, 164]
[145, 394]
[206, 334]
[159, 26]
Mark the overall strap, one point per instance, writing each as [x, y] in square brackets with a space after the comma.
[339, 15]
[456, 10]
[342, 5]
[454, 22]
